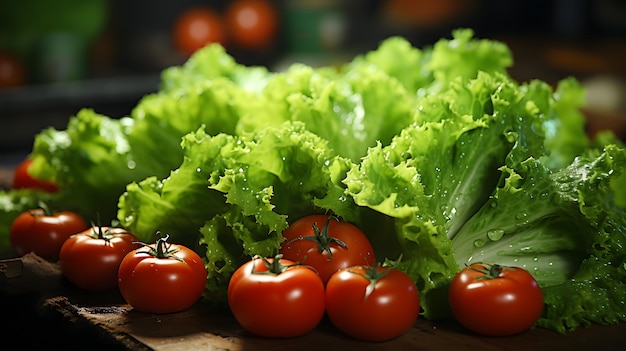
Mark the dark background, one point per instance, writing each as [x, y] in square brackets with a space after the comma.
[126, 44]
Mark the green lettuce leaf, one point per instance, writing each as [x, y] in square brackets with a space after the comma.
[351, 111]
[471, 188]
[96, 156]
[89, 159]
[237, 193]
[213, 62]
[599, 284]
[398, 59]
[439, 171]
[464, 56]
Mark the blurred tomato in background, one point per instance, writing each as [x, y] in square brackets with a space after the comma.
[251, 24]
[12, 71]
[425, 13]
[23, 180]
[196, 27]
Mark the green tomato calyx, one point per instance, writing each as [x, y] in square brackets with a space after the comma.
[375, 273]
[161, 249]
[322, 238]
[490, 271]
[275, 267]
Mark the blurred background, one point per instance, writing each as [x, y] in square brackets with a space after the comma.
[59, 56]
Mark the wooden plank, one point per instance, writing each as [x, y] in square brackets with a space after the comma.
[207, 328]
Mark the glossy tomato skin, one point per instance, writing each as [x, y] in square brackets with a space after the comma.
[357, 251]
[23, 180]
[251, 24]
[507, 304]
[285, 305]
[44, 233]
[387, 312]
[162, 284]
[91, 259]
[197, 27]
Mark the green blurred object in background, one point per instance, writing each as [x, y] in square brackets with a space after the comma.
[51, 37]
[314, 27]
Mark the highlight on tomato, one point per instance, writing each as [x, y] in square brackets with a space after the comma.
[43, 231]
[162, 277]
[251, 24]
[327, 244]
[23, 180]
[91, 259]
[197, 27]
[276, 297]
[372, 303]
[495, 300]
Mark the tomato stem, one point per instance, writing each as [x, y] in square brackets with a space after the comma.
[161, 249]
[46, 209]
[373, 274]
[490, 271]
[275, 267]
[97, 231]
[322, 238]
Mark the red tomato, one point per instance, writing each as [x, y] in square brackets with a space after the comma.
[197, 27]
[327, 244]
[251, 24]
[44, 232]
[162, 278]
[276, 298]
[91, 259]
[495, 300]
[23, 180]
[372, 303]
[12, 73]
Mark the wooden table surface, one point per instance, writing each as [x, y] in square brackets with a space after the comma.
[104, 319]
